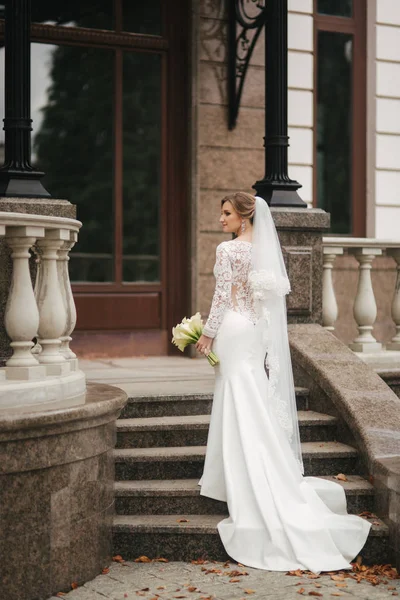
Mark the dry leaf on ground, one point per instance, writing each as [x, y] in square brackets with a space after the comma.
[301, 591]
[297, 573]
[74, 585]
[182, 520]
[234, 580]
[105, 571]
[312, 593]
[249, 591]
[340, 477]
[143, 559]
[118, 558]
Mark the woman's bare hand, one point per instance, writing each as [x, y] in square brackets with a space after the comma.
[204, 345]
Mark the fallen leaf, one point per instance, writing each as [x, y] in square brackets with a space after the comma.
[161, 587]
[199, 561]
[312, 593]
[105, 571]
[337, 577]
[192, 588]
[395, 594]
[301, 591]
[143, 559]
[74, 585]
[182, 520]
[317, 585]
[341, 477]
[118, 558]
[297, 573]
[337, 594]
[391, 587]
[180, 596]
[367, 514]
[341, 585]
[313, 576]
[145, 589]
[249, 591]
[234, 580]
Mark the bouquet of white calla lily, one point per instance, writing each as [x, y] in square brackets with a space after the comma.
[188, 332]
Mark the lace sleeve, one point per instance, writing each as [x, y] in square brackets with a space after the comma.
[222, 295]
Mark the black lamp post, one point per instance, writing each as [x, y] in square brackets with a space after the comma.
[17, 176]
[277, 188]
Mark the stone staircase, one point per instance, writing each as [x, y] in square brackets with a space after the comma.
[161, 442]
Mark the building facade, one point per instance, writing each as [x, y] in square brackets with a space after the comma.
[130, 123]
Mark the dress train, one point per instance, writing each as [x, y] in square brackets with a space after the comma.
[278, 519]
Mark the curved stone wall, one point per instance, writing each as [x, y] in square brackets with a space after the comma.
[56, 494]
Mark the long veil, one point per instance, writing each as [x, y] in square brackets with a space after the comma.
[270, 284]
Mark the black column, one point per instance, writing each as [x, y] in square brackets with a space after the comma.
[277, 188]
[17, 176]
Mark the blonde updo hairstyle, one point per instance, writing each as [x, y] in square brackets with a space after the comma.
[243, 203]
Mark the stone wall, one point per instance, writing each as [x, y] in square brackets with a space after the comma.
[233, 160]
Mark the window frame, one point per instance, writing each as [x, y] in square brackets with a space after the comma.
[357, 27]
[161, 304]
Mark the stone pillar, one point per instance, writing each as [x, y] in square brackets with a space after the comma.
[300, 232]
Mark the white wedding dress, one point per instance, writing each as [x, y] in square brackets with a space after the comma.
[278, 519]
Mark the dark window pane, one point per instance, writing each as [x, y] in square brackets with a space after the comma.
[72, 108]
[142, 159]
[339, 8]
[142, 17]
[334, 128]
[97, 14]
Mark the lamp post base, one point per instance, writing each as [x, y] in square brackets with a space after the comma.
[279, 196]
[27, 186]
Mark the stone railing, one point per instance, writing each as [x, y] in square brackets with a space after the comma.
[364, 250]
[45, 372]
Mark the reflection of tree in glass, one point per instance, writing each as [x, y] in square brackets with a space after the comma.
[81, 13]
[342, 8]
[141, 149]
[74, 147]
[334, 122]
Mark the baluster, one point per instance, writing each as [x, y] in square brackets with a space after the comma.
[69, 304]
[38, 280]
[52, 321]
[329, 304]
[365, 309]
[395, 343]
[21, 315]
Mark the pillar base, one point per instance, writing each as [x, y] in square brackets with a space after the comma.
[366, 347]
[25, 373]
[60, 369]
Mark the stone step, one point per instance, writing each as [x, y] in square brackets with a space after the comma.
[168, 537]
[192, 430]
[186, 462]
[188, 404]
[177, 496]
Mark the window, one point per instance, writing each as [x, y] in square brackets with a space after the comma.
[340, 115]
[109, 104]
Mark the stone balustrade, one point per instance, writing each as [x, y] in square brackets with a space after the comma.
[364, 250]
[46, 372]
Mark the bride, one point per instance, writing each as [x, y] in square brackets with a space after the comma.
[278, 519]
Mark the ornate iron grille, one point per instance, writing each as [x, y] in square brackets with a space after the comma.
[246, 19]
